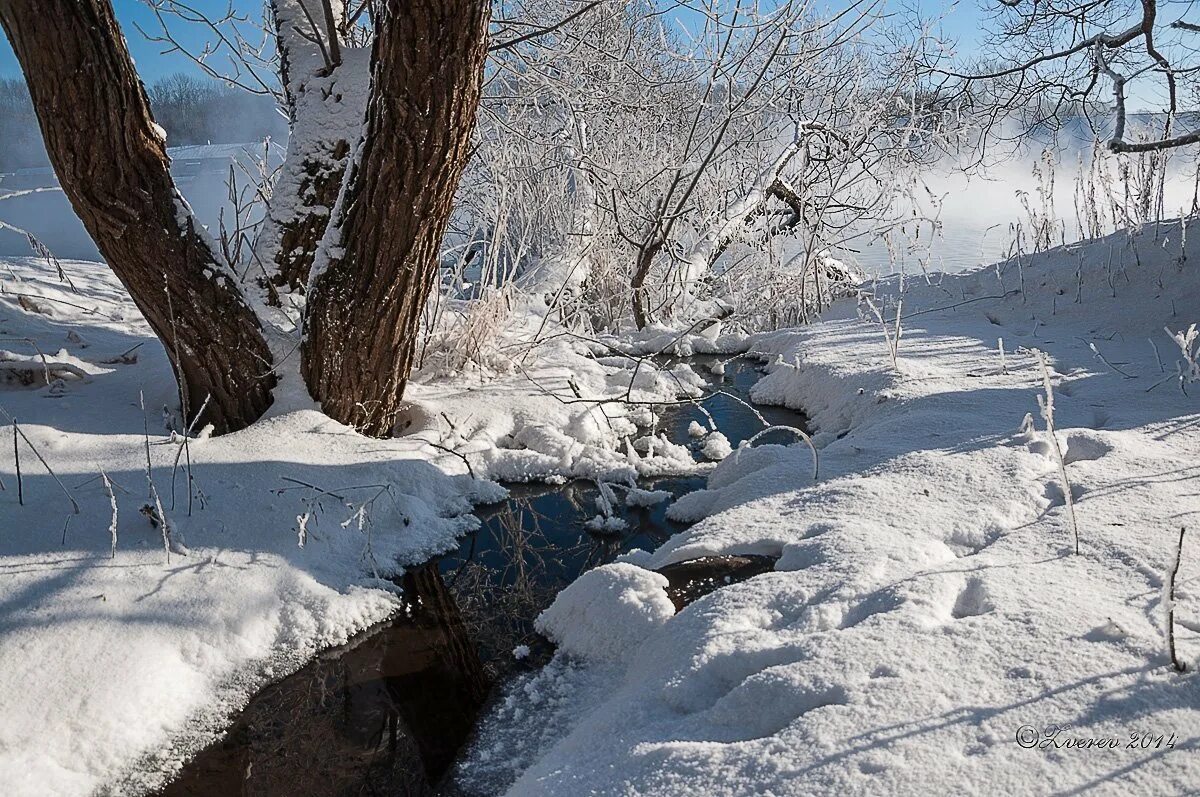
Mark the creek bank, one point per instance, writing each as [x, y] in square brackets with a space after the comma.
[388, 712]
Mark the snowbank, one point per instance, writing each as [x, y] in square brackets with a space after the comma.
[120, 655]
[928, 627]
[607, 611]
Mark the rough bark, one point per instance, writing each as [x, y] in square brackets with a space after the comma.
[326, 104]
[364, 307]
[318, 181]
[111, 161]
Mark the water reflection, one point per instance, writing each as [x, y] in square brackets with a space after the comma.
[383, 716]
[529, 548]
[388, 713]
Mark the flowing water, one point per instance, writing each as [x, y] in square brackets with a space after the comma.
[388, 713]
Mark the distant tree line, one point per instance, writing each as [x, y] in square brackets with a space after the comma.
[192, 110]
[202, 111]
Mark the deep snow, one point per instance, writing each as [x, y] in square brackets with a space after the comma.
[928, 620]
[925, 609]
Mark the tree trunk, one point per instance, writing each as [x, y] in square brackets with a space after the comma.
[326, 105]
[111, 160]
[364, 310]
[645, 259]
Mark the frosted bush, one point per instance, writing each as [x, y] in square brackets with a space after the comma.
[1188, 366]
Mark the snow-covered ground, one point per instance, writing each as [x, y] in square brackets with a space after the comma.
[123, 651]
[927, 619]
[928, 629]
[115, 656]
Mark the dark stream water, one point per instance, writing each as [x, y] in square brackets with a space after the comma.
[388, 713]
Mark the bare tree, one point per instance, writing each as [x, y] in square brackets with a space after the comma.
[622, 156]
[1048, 62]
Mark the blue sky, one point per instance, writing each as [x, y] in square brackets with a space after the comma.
[961, 21]
[151, 63]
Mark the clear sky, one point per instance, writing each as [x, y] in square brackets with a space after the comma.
[961, 20]
[151, 62]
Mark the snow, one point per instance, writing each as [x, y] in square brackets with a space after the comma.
[926, 614]
[928, 626]
[564, 415]
[716, 446]
[114, 668]
[607, 611]
[603, 524]
[644, 498]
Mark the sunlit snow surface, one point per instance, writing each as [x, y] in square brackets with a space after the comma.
[927, 612]
[926, 606]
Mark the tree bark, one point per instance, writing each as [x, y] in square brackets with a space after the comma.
[111, 160]
[364, 308]
[326, 105]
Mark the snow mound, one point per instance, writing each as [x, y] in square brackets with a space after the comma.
[716, 447]
[742, 474]
[607, 611]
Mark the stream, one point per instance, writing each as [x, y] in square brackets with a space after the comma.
[388, 713]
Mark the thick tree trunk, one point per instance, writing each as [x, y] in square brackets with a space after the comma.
[326, 105]
[315, 181]
[364, 308]
[111, 160]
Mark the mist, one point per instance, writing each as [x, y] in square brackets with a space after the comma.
[984, 215]
[210, 128]
[973, 215]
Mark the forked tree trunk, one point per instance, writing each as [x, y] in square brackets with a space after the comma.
[364, 309]
[111, 160]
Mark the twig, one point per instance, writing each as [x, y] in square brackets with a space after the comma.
[893, 344]
[185, 448]
[1046, 403]
[18, 431]
[39, 297]
[162, 516]
[112, 502]
[306, 485]
[91, 479]
[1179, 666]
[17, 459]
[458, 454]
[1013, 292]
[1162, 369]
[1104, 360]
